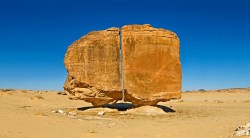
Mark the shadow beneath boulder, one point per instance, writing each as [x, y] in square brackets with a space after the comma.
[85, 108]
[165, 108]
[119, 106]
[127, 106]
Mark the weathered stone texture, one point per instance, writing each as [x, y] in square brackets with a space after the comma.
[151, 60]
[152, 69]
[93, 67]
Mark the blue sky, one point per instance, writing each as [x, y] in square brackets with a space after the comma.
[35, 34]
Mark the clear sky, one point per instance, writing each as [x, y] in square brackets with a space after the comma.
[35, 34]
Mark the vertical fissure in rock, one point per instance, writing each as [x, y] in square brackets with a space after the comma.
[121, 61]
[148, 60]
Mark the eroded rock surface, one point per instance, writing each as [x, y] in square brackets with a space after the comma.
[93, 67]
[151, 61]
[152, 69]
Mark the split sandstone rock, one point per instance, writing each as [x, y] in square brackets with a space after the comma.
[151, 61]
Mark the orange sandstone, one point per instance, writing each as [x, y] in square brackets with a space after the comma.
[150, 66]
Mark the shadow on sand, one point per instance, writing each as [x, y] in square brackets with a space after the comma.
[124, 107]
[118, 106]
[165, 108]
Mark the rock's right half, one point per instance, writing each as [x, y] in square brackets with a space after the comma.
[152, 68]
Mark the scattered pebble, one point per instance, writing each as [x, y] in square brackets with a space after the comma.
[61, 111]
[242, 130]
[122, 113]
[55, 111]
[92, 131]
[73, 113]
[101, 113]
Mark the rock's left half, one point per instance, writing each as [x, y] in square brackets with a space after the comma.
[93, 66]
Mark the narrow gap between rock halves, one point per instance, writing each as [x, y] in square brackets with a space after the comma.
[122, 67]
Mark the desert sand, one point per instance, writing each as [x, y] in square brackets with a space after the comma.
[44, 114]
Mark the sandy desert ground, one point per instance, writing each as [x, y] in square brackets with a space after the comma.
[46, 114]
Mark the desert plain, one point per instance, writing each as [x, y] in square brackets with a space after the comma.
[50, 114]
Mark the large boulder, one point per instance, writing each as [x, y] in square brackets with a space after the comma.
[150, 68]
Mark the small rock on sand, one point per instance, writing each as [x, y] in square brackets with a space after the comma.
[101, 113]
[242, 130]
[73, 113]
[59, 111]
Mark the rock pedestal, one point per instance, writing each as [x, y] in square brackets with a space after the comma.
[151, 66]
